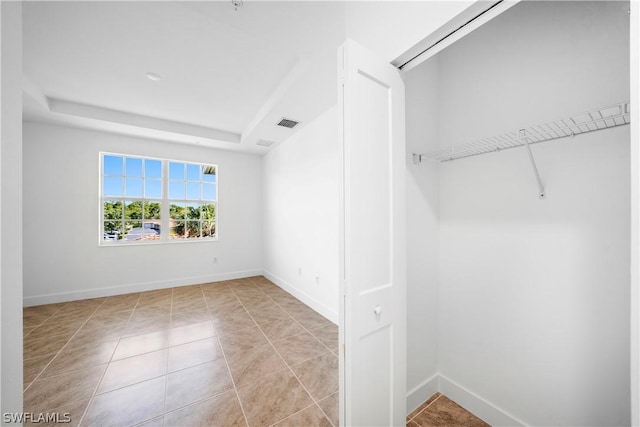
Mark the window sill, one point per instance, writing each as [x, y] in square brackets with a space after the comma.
[157, 242]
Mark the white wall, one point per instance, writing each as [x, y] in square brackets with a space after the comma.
[300, 183]
[422, 237]
[533, 297]
[62, 259]
[11, 208]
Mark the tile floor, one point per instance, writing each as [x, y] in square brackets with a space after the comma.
[240, 352]
[440, 411]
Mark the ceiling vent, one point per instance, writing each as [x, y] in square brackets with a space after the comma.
[287, 123]
[265, 143]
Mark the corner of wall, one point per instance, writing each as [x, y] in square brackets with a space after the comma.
[325, 311]
[421, 393]
[422, 90]
[466, 398]
[475, 404]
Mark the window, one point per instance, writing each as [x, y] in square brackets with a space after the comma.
[192, 195]
[147, 200]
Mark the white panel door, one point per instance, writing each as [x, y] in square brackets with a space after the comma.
[373, 257]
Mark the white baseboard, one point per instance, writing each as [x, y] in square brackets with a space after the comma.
[135, 287]
[308, 300]
[420, 394]
[476, 405]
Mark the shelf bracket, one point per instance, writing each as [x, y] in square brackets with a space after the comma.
[522, 134]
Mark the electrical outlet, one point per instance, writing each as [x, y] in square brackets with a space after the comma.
[215, 259]
[317, 280]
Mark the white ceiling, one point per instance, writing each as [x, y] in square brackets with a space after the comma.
[227, 76]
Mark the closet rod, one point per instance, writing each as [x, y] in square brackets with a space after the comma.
[449, 34]
[568, 127]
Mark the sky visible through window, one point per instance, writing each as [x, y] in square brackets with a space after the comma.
[127, 179]
[133, 199]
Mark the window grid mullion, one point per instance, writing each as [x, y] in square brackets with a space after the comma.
[164, 206]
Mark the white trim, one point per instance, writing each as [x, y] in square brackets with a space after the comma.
[635, 213]
[77, 109]
[422, 392]
[305, 298]
[342, 292]
[476, 404]
[136, 287]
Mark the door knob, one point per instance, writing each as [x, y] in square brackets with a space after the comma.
[377, 310]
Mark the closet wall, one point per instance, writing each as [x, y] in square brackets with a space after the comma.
[532, 295]
[421, 116]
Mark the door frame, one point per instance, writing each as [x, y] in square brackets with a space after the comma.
[634, 48]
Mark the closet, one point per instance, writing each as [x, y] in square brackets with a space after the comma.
[518, 217]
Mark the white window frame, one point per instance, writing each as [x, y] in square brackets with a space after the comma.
[165, 203]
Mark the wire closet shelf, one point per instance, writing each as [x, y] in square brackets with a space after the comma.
[590, 121]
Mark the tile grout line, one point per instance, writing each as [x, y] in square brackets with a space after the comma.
[41, 323]
[323, 411]
[426, 407]
[226, 361]
[168, 347]
[295, 413]
[274, 348]
[166, 380]
[285, 362]
[316, 402]
[294, 319]
[302, 333]
[186, 405]
[303, 327]
[200, 400]
[95, 390]
[309, 331]
[63, 347]
[140, 354]
[158, 376]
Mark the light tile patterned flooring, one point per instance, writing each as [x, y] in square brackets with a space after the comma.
[228, 353]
